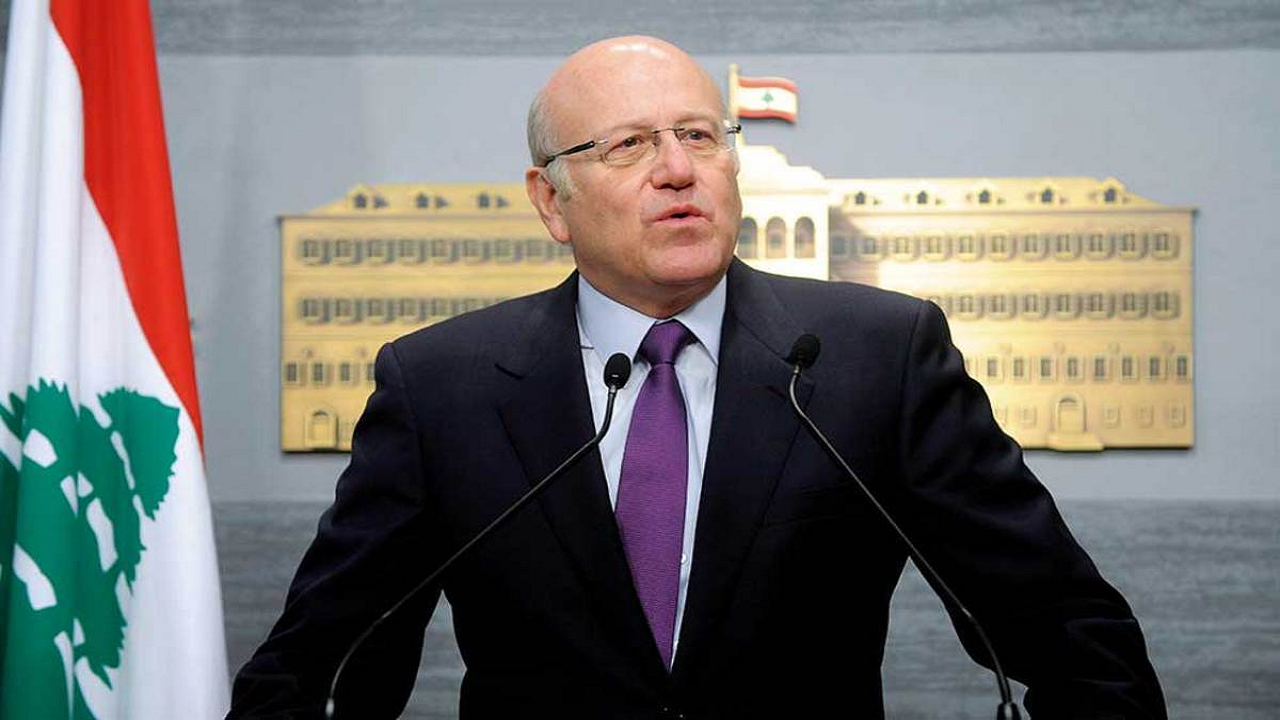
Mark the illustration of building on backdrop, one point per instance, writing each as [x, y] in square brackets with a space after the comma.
[1069, 297]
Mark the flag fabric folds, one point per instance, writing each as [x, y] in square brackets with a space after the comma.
[766, 97]
[109, 599]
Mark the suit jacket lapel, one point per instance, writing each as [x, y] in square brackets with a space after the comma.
[547, 418]
[752, 432]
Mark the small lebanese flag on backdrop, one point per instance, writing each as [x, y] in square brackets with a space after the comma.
[766, 97]
[110, 606]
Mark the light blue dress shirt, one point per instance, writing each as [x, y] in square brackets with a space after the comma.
[605, 327]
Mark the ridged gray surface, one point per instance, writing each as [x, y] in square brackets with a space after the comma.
[556, 27]
[1202, 578]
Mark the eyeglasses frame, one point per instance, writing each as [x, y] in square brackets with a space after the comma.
[731, 128]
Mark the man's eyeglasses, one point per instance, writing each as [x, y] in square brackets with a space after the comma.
[700, 139]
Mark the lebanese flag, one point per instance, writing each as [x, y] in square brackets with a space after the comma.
[766, 97]
[109, 598]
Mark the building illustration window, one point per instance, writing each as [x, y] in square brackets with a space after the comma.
[968, 246]
[1065, 306]
[1098, 305]
[375, 310]
[1101, 368]
[535, 251]
[1018, 369]
[313, 311]
[999, 246]
[1155, 368]
[1066, 246]
[1097, 245]
[347, 310]
[935, 247]
[1032, 306]
[839, 246]
[292, 374]
[1182, 368]
[409, 251]
[747, 238]
[1000, 306]
[474, 251]
[1128, 368]
[805, 242]
[903, 247]
[313, 251]
[775, 238]
[1164, 305]
[1032, 246]
[504, 251]
[968, 307]
[1133, 305]
[870, 248]
[1164, 245]
[1047, 369]
[377, 251]
[347, 251]
[1072, 371]
[1130, 245]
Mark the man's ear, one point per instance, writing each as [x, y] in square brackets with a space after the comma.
[546, 199]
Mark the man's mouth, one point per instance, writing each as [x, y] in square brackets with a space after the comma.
[679, 212]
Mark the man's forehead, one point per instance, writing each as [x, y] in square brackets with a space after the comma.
[631, 82]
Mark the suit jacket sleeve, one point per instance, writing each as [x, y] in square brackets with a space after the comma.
[1056, 625]
[367, 553]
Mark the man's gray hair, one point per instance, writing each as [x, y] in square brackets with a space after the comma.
[543, 144]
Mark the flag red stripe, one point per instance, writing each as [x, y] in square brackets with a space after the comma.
[789, 117]
[759, 82]
[127, 171]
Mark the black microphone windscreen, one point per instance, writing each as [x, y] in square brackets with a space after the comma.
[804, 351]
[617, 370]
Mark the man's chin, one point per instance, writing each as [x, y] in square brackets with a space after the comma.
[690, 270]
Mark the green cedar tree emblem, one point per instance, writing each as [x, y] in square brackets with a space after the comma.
[71, 507]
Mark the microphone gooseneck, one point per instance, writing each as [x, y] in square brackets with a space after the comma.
[804, 353]
[617, 370]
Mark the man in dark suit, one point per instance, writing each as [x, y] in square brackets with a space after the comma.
[709, 561]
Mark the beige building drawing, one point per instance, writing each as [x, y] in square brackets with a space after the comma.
[1069, 297]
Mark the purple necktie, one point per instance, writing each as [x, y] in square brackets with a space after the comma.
[651, 491]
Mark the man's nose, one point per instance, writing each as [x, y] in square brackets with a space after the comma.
[672, 167]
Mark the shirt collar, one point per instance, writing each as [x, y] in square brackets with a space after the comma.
[609, 327]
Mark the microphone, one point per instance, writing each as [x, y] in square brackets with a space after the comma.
[804, 353]
[617, 370]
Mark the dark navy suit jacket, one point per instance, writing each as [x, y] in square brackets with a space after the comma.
[788, 599]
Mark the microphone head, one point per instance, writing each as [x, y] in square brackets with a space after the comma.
[804, 351]
[617, 370]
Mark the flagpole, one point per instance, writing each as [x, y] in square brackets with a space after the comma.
[733, 100]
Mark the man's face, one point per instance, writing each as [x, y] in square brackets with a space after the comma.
[658, 234]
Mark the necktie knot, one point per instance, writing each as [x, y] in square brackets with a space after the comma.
[664, 341]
